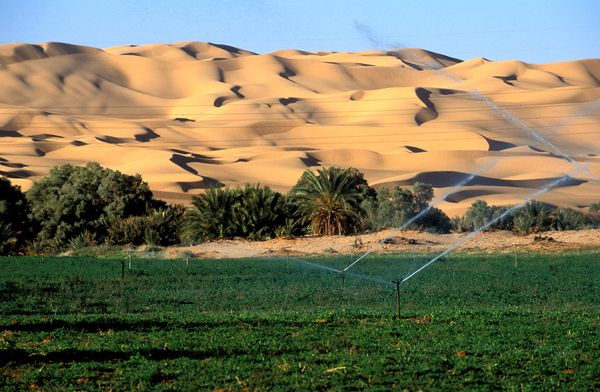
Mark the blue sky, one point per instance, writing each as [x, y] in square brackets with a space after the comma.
[530, 30]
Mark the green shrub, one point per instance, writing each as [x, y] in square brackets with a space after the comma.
[435, 221]
[212, 215]
[163, 226]
[394, 207]
[594, 207]
[126, 231]
[260, 212]
[533, 217]
[567, 219]
[480, 214]
[160, 228]
[15, 226]
[83, 240]
[254, 212]
[459, 224]
[72, 200]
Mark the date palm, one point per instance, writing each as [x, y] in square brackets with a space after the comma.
[330, 200]
[212, 215]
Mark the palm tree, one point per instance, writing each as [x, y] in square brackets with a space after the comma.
[261, 213]
[212, 215]
[330, 200]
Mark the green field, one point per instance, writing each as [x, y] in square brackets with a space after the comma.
[480, 322]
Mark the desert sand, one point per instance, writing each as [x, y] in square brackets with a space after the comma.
[193, 115]
[396, 242]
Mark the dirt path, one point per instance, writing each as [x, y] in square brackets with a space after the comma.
[406, 241]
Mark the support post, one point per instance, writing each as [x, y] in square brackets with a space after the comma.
[397, 283]
[122, 269]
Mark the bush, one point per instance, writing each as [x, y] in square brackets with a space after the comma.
[83, 240]
[595, 207]
[254, 212]
[259, 213]
[394, 207]
[293, 223]
[533, 217]
[480, 214]
[212, 215]
[125, 231]
[15, 226]
[72, 200]
[163, 226]
[567, 219]
[435, 221]
[160, 228]
[459, 224]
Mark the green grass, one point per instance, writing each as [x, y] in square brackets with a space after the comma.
[480, 322]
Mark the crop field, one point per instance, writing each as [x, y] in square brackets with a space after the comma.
[525, 322]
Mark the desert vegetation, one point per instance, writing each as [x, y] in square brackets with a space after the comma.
[75, 207]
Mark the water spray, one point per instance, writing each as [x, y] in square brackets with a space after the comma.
[507, 115]
[425, 210]
[343, 273]
[490, 223]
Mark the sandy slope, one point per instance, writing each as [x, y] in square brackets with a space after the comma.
[192, 115]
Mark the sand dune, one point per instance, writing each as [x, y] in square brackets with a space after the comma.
[192, 115]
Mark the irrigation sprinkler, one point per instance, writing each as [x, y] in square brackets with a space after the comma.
[491, 222]
[287, 261]
[421, 213]
[397, 283]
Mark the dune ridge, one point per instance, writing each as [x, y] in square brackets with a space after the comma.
[193, 115]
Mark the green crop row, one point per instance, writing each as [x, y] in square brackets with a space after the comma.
[476, 322]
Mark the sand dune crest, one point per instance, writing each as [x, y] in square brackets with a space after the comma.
[194, 115]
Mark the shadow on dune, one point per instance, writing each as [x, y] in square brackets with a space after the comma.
[459, 196]
[16, 174]
[183, 161]
[45, 136]
[111, 139]
[310, 161]
[426, 114]
[204, 183]
[12, 165]
[147, 136]
[445, 179]
[414, 149]
[9, 133]
[507, 79]
[497, 145]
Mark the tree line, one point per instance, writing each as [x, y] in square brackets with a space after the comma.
[92, 205]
